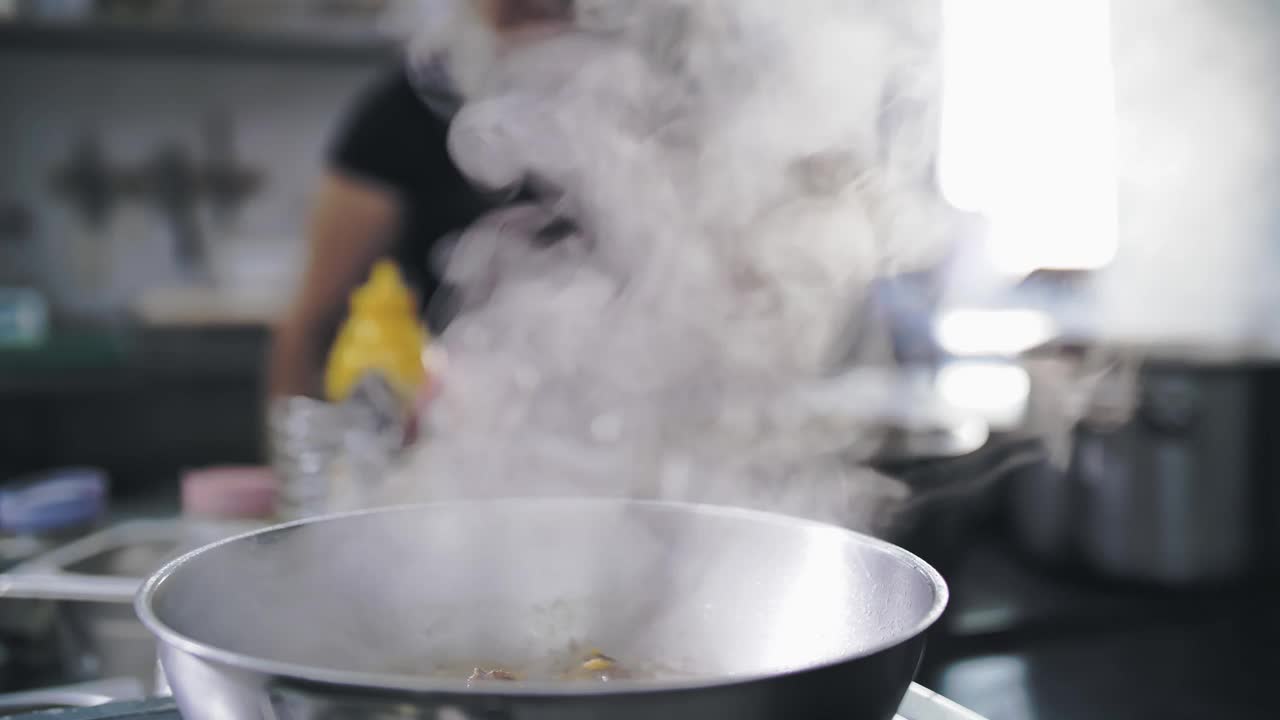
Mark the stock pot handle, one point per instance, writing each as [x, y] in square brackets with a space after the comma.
[304, 701]
[68, 587]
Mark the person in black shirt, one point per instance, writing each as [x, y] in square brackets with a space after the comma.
[390, 189]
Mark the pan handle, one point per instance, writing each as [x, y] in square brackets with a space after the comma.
[922, 703]
[89, 694]
[297, 701]
[68, 587]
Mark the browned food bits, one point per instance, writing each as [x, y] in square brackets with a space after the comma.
[596, 666]
[598, 662]
[494, 674]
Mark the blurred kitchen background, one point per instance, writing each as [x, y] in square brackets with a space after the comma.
[156, 158]
[157, 161]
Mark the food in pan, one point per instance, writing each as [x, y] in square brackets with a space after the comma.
[595, 666]
[491, 674]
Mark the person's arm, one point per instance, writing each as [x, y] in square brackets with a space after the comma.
[389, 148]
[352, 224]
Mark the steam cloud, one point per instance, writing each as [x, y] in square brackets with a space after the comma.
[1198, 107]
[738, 174]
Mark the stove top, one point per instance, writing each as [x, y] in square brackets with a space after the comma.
[920, 704]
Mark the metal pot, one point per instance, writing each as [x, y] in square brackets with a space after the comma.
[1177, 492]
[719, 613]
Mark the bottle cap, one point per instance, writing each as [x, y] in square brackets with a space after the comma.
[385, 291]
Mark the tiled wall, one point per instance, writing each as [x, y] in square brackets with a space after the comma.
[283, 112]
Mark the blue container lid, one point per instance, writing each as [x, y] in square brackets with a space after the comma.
[52, 501]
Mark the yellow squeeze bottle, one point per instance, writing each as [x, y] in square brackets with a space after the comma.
[382, 334]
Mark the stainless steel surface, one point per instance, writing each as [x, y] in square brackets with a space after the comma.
[922, 703]
[89, 585]
[134, 549]
[107, 566]
[1167, 496]
[68, 587]
[304, 436]
[1167, 493]
[383, 613]
[90, 694]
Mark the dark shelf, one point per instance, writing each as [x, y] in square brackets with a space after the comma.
[144, 359]
[195, 41]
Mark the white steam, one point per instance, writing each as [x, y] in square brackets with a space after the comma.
[739, 172]
[1199, 159]
[1143, 129]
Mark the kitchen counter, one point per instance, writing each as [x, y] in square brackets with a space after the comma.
[1025, 643]
[1206, 670]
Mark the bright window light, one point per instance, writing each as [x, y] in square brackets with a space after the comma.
[998, 393]
[1000, 333]
[1029, 128]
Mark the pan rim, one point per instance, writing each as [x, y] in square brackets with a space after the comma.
[423, 685]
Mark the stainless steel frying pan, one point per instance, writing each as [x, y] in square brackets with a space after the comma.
[716, 612]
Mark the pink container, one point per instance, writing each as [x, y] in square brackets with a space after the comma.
[230, 492]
